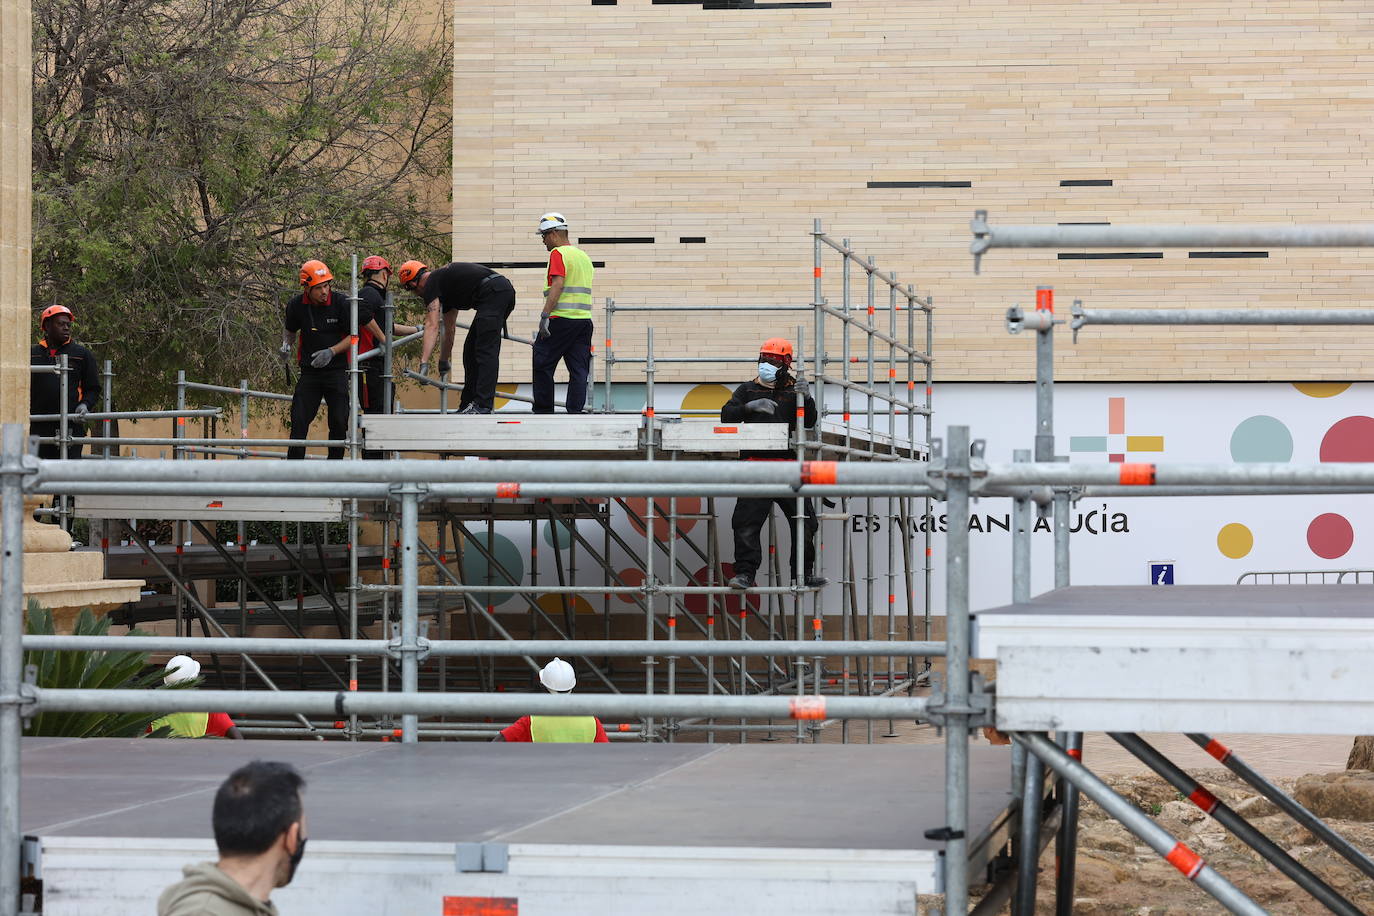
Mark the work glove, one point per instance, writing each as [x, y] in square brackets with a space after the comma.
[424, 369]
[765, 406]
[81, 411]
[543, 328]
[801, 388]
[285, 351]
[321, 358]
[444, 367]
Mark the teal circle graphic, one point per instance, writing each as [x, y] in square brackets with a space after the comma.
[562, 533]
[625, 396]
[476, 569]
[1261, 438]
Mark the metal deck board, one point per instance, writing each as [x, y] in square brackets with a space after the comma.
[811, 796]
[1331, 601]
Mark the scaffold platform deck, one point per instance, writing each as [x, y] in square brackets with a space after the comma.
[1264, 659]
[569, 829]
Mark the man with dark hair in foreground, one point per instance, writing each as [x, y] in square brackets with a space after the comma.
[259, 826]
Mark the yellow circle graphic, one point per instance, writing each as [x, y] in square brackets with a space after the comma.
[1321, 389]
[706, 397]
[1235, 540]
[553, 604]
[508, 388]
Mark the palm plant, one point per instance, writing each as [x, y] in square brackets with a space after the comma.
[89, 669]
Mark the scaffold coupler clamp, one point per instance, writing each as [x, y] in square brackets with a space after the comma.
[396, 648]
[977, 707]
[28, 694]
[1077, 317]
[982, 238]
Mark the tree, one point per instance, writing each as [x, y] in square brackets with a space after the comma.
[190, 154]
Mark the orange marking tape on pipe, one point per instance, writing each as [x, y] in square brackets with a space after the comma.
[1138, 475]
[816, 624]
[623, 726]
[892, 373]
[1185, 860]
[340, 724]
[672, 621]
[1075, 753]
[1044, 299]
[386, 562]
[929, 552]
[481, 906]
[443, 558]
[1218, 750]
[395, 733]
[507, 490]
[870, 311]
[353, 684]
[648, 412]
[743, 615]
[608, 343]
[214, 504]
[846, 417]
[891, 599]
[819, 472]
[817, 271]
[1204, 799]
[181, 421]
[807, 707]
[180, 550]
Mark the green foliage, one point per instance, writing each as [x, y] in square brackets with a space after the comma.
[189, 156]
[90, 670]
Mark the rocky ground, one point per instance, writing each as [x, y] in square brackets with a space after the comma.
[1118, 874]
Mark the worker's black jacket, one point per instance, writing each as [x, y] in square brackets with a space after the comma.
[786, 399]
[455, 285]
[83, 383]
[321, 326]
[373, 298]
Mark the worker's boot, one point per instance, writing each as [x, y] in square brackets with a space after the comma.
[741, 581]
[813, 581]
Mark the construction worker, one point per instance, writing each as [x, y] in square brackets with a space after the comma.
[45, 391]
[565, 324]
[771, 397]
[318, 321]
[259, 824]
[179, 670]
[557, 677]
[461, 285]
[376, 271]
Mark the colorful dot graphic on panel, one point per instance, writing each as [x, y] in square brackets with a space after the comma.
[1117, 443]
[1321, 389]
[508, 568]
[709, 398]
[559, 530]
[689, 506]
[1351, 439]
[553, 605]
[1261, 438]
[1330, 536]
[704, 604]
[1235, 540]
[504, 388]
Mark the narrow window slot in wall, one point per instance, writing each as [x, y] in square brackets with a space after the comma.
[692, 239]
[1086, 183]
[1110, 255]
[1228, 254]
[1085, 224]
[920, 184]
[616, 240]
[526, 265]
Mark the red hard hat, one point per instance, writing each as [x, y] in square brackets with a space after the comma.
[313, 273]
[777, 346]
[410, 270]
[55, 310]
[376, 262]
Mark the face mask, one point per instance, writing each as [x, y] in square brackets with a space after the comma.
[768, 372]
[295, 861]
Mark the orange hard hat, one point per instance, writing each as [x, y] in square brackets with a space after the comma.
[376, 262]
[409, 271]
[313, 273]
[55, 310]
[777, 346]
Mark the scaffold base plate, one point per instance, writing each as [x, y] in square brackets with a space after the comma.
[622, 828]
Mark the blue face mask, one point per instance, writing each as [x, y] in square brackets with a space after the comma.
[768, 372]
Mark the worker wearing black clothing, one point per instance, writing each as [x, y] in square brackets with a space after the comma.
[45, 391]
[771, 397]
[456, 286]
[319, 319]
[376, 271]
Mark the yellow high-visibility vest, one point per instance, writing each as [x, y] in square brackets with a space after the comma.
[576, 299]
[563, 729]
[185, 724]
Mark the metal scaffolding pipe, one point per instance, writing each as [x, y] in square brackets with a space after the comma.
[11, 658]
[477, 648]
[221, 389]
[346, 703]
[1083, 317]
[1147, 476]
[129, 415]
[1258, 235]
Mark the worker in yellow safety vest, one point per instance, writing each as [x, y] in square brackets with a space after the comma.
[565, 324]
[180, 669]
[557, 677]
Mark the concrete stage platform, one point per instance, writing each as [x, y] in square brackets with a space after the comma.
[624, 828]
[1260, 659]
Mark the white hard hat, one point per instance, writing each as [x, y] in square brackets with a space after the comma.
[552, 221]
[558, 676]
[181, 668]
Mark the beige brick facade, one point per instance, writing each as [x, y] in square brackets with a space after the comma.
[741, 125]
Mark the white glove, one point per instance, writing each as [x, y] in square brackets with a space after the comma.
[321, 358]
[766, 406]
[81, 411]
[285, 351]
[543, 328]
[424, 369]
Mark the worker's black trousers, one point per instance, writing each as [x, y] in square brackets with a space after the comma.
[373, 395]
[331, 386]
[494, 302]
[53, 450]
[569, 340]
[748, 520]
